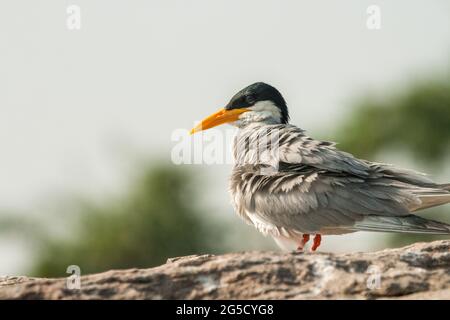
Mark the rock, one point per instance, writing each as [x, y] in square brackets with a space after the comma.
[419, 271]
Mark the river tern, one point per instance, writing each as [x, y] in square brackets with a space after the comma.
[290, 186]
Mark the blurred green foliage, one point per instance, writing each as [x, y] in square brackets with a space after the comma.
[415, 122]
[158, 217]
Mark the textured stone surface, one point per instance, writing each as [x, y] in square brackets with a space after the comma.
[419, 271]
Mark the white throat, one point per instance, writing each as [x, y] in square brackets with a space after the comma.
[265, 112]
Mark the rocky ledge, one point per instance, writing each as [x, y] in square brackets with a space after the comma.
[418, 271]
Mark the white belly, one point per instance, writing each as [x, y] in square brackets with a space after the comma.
[285, 239]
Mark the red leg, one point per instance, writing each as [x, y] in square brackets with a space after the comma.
[316, 243]
[304, 241]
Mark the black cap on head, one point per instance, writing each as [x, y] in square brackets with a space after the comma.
[257, 92]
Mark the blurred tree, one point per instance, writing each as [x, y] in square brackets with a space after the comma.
[416, 122]
[158, 218]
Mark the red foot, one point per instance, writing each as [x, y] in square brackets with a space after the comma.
[304, 241]
[316, 243]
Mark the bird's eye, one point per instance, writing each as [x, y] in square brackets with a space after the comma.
[250, 99]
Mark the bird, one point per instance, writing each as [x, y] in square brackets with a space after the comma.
[291, 187]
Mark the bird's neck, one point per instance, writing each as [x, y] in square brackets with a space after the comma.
[250, 145]
[256, 121]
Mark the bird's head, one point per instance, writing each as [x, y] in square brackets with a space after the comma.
[258, 102]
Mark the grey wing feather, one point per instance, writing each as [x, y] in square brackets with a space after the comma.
[317, 187]
[313, 201]
[409, 224]
[429, 193]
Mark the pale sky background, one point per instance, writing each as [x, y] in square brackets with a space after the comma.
[71, 102]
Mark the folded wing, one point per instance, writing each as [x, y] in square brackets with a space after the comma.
[317, 188]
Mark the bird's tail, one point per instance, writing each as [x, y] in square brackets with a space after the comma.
[432, 197]
[406, 224]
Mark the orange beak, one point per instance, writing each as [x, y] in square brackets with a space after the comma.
[220, 117]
